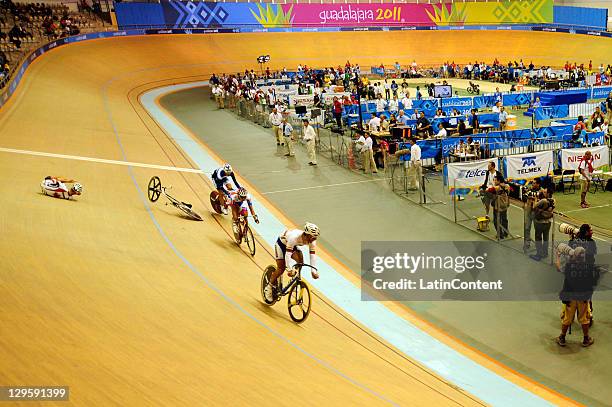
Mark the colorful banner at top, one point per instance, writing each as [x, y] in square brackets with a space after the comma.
[197, 14]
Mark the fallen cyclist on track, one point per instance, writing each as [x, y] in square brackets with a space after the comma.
[56, 187]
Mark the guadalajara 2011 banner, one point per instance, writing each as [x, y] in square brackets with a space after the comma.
[192, 14]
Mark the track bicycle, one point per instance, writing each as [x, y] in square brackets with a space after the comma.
[155, 190]
[299, 297]
[244, 233]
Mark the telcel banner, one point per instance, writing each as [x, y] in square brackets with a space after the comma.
[466, 178]
[570, 158]
[529, 166]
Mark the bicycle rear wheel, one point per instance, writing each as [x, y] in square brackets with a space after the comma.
[265, 279]
[299, 302]
[154, 190]
[214, 196]
[188, 211]
[249, 239]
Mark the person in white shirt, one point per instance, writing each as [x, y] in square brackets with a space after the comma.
[276, 118]
[380, 104]
[442, 133]
[374, 123]
[367, 152]
[503, 118]
[496, 108]
[310, 137]
[287, 253]
[407, 102]
[393, 105]
[416, 171]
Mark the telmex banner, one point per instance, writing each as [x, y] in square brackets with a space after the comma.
[570, 158]
[200, 14]
[529, 166]
[465, 178]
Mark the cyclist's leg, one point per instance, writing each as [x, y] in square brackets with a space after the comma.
[235, 215]
[279, 256]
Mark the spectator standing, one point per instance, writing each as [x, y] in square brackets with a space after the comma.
[337, 110]
[287, 130]
[609, 108]
[578, 285]
[597, 119]
[529, 200]
[488, 183]
[406, 102]
[367, 152]
[416, 171]
[276, 120]
[543, 214]
[500, 206]
[503, 118]
[394, 104]
[585, 168]
[310, 137]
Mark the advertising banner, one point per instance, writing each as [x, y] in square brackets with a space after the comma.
[465, 178]
[570, 158]
[192, 14]
[529, 166]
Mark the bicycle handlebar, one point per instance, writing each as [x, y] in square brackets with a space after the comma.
[307, 265]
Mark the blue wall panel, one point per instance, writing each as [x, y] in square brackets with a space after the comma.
[139, 14]
[588, 17]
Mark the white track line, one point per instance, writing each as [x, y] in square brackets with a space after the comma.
[324, 186]
[100, 160]
[586, 209]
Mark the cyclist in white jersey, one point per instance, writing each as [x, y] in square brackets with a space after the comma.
[287, 253]
[56, 187]
[241, 205]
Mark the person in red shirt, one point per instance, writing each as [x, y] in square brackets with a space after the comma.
[337, 111]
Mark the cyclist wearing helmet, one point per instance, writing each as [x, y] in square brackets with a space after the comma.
[287, 253]
[56, 187]
[241, 204]
[221, 177]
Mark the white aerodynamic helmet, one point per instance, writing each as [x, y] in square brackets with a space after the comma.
[78, 187]
[311, 229]
[227, 168]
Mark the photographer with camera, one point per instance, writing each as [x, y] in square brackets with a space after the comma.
[489, 182]
[543, 214]
[530, 196]
[578, 285]
[501, 202]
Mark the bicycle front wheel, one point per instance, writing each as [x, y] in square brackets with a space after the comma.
[154, 189]
[299, 302]
[249, 239]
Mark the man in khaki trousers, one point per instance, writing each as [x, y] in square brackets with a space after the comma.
[367, 152]
[287, 130]
[416, 170]
[310, 137]
[276, 118]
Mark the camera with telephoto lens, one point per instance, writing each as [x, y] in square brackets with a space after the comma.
[528, 193]
[568, 229]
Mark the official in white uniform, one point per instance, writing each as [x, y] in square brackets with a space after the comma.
[310, 137]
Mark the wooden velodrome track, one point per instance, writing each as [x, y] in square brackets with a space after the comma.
[132, 307]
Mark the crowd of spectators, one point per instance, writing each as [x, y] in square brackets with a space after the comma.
[25, 25]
